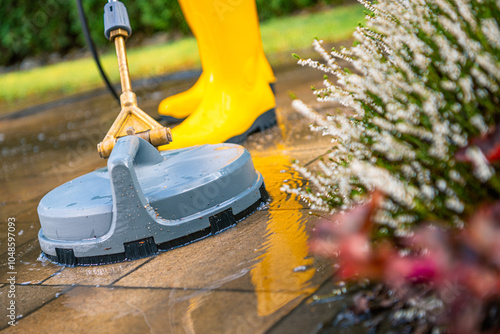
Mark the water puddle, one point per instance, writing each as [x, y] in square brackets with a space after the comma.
[284, 265]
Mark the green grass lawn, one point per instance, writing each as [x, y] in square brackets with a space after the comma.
[279, 36]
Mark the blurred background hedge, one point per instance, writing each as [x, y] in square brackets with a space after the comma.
[40, 28]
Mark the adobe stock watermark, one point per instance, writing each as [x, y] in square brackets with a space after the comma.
[203, 197]
[45, 11]
[11, 273]
[451, 291]
[222, 7]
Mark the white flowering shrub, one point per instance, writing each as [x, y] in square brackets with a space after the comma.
[423, 80]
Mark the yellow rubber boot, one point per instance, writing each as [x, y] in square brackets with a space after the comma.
[180, 106]
[237, 98]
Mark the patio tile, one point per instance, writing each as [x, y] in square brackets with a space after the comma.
[27, 299]
[120, 310]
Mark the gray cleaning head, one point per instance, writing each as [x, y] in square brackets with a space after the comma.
[145, 201]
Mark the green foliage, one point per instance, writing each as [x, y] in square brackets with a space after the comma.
[271, 8]
[30, 28]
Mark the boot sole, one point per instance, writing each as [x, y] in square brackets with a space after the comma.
[263, 122]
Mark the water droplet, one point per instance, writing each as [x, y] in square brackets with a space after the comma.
[299, 269]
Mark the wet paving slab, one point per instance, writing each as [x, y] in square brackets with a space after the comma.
[246, 279]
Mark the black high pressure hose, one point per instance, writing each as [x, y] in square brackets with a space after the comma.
[93, 50]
